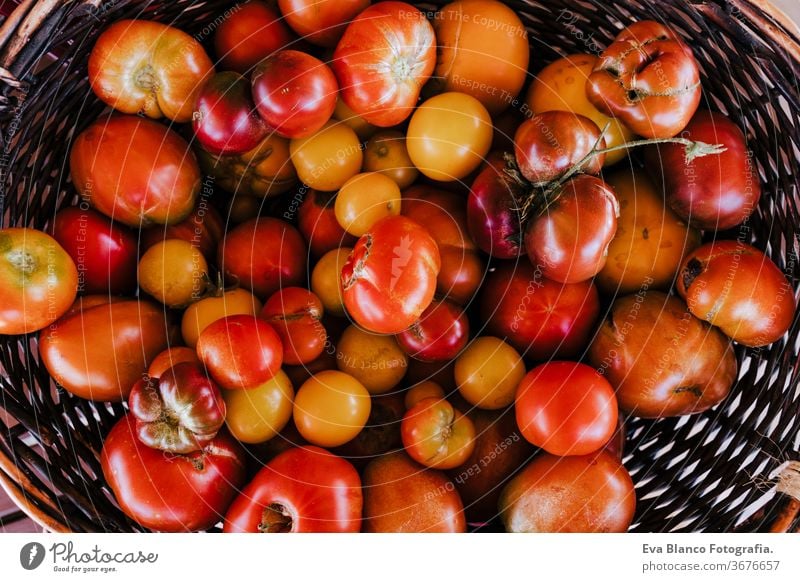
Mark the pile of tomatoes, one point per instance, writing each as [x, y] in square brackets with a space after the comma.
[356, 277]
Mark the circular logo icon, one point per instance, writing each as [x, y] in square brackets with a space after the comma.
[31, 555]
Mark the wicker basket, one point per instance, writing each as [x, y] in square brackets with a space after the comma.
[709, 472]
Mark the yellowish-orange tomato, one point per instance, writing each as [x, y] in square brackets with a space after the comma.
[329, 158]
[374, 360]
[488, 372]
[325, 279]
[169, 357]
[449, 136]
[560, 86]
[386, 152]
[437, 435]
[364, 200]
[258, 414]
[174, 272]
[343, 113]
[651, 240]
[201, 314]
[425, 389]
[483, 51]
[331, 408]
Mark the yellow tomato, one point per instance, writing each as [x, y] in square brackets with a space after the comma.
[329, 158]
[325, 279]
[174, 272]
[203, 313]
[364, 200]
[421, 391]
[374, 360]
[651, 241]
[258, 414]
[488, 372]
[331, 408]
[346, 115]
[386, 152]
[561, 86]
[449, 136]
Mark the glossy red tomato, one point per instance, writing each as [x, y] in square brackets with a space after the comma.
[737, 288]
[648, 78]
[225, 120]
[136, 171]
[569, 240]
[263, 254]
[240, 351]
[386, 55]
[321, 22]
[440, 334]
[248, 35]
[295, 93]
[303, 490]
[172, 493]
[566, 408]
[588, 494]
[714, 192]
[296, 314]
[316, 219]
[390, 277]
[539, 317]
[142, 66]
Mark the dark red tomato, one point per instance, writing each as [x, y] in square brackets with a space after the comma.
[295, 93]
[263, 255]
[588, 494]
[492, 216]
[303, 490]
[739, 289]
[172, 493]
[714, 192]
[105, 253]
[225, 120]
[648, 78]
[203, 228]
[321, 21]
[317, 221]
[566, 408]
[440, 334]
[179, 412]
[539, 317]
[569, 240]
[248, 35]
[240, 351]
[549, 144]
[296, 314]
[390, 277]
[384, 58]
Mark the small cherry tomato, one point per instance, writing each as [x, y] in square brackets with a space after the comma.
[374, 360]
[488, 372]
[173, 272]
[437, 435]
[296, 314]
[258, 414]
[439, 335]
[329, 158]
[386, 153]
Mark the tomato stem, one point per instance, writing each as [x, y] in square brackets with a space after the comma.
[275, 519]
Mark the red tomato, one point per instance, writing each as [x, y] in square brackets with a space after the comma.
[141, 66]
[240, 351]
[302, 490]
[739, 289]
[225, 121]
[316, 219]
[321, 21]
[263, 255]
[437, 435]
[440, 334]
[40, 280]
[648, 78]
[384, 58]
[295, 93]
[156, 181]
[171, 493]
[105, 253]
[390, 277]
[296, 314]
[566, 408]
[248, 35]
[539, 317]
